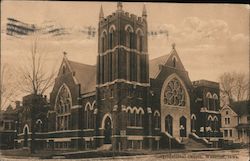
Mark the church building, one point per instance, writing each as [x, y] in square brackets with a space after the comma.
[127, 101]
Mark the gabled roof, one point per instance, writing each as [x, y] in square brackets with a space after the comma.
[227, 107]
[241, 107]
[165, 60]
[154, 65]
[85, 75]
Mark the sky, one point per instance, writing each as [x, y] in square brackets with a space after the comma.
[210, 39]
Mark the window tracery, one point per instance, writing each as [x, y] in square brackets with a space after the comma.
[88, 115]
[63, 106]
[174, 93]
[157, 120]
[139, 37]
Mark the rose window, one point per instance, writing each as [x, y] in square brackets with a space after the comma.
[174, 93]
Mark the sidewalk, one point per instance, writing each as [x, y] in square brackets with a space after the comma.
[24, 153]
[99, 154]
[49, 154]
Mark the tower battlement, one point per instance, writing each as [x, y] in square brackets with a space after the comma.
[125, 15]
[122, 14]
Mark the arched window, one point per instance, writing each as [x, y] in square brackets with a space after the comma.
[133, 118]
[111, 38]
[129, 36]
[157, 120]
[215, 124]
[174, 93]
[193, 120]
[209, 100]
[103, 41]
[174, 62]
[139, 38]
[169, 124]
[39, 125]
[139, 117]
[215, 102]
[209, 124]
[63, 106]
[129, 117]
[64, 69]
[88, 111]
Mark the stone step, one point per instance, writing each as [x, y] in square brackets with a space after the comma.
[193, 144]
[105, 147]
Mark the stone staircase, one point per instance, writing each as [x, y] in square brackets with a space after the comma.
[105, 147]
[201, 140]
[193, 144]
[167, 140]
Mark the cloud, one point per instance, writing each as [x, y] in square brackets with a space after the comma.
[197, 41]
[240, 38]
[195, 30]
[207, 47]
[198, 30]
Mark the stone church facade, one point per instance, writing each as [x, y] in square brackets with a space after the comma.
[127, 101]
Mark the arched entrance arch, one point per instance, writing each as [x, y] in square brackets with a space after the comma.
[169, 124]
[183, 127]
[193, 120]
[107, 126]
[26, 133]
[175, 101]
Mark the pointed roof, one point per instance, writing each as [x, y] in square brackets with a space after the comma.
[164, 60]
[154, 68]
[144, 11]
[85, 75]
[101, 14]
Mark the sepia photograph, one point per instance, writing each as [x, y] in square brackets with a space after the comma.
[124, 81]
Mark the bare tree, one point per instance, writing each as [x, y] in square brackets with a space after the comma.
[234, 87]
[35, 78]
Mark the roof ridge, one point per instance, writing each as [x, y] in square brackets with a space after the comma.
[154, 64]
[160, 56]
[85, 75]
[79, 63]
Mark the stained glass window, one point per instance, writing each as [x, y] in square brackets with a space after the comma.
[174, 93]
[63, 105]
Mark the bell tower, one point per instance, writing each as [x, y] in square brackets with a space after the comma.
[122, 68]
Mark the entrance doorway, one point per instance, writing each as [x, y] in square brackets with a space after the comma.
[169, 124]
[107, 131]
[193, 119]
[183, 128]
[25, 143]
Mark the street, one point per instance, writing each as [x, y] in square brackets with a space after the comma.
[223, 155]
